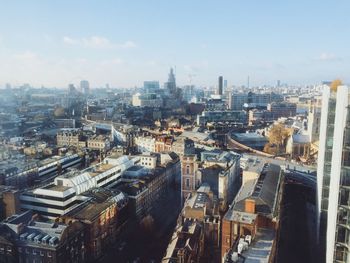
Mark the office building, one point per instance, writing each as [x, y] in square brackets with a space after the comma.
[234, 116]
[220, 85]
[333, 176]
[282, 109]
[151, 86]
[259, 100]
[147, 100]
[85, 87]
[65, 193]
[170, 85]
[101, 218]
[221, 171]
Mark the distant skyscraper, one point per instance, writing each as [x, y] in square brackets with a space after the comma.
[71, 89]
[225, 84]
[278, 83]
[171, 84]
[220, 85]
[333, 175]
[151, 86]
[85, 86]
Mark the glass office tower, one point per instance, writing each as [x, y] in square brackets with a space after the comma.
[333, 175]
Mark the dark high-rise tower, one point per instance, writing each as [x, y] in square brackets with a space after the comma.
[171, 84]
[221, 85]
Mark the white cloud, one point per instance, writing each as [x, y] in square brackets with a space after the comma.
[325, 56]
[97, 42]
[128, 44]
[69, 41]
[27, 55]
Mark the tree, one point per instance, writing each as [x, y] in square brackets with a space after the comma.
[278, 135]
[335, 83]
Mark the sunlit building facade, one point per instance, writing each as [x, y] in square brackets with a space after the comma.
[333, 175]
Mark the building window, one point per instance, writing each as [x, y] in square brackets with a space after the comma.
[187, 169]
[187, 182]
[49, 254]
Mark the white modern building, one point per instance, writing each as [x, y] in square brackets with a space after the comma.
[147, 100]
[333, 175]
[64, 194]
[145, 143]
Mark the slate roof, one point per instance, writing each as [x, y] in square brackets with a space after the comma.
[264, 192]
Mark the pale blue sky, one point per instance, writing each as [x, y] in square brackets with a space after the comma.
[125, 42]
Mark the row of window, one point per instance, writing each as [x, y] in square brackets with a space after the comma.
[108, 176]
[35, 252]
[54, 198]
[50, 205]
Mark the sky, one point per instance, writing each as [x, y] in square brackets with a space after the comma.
[123, 43]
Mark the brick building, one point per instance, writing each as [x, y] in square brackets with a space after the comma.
[254, 213]
[100, 217]
[24, 238]
[189, 177]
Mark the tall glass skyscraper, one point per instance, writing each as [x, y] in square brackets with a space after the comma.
[333, 175]
[171, 84]
[220, 85]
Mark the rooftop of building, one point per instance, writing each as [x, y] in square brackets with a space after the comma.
[248, 136]
[32, 230]
[132, 188]
[99, 200]
[259, 251]
[262, 190]
[197, 201]
[69, 131]
[58, 188]
[184, 237]
[99, 138]
[217, 155]
[78, 182]
[301, 138]
[195, 136]
[243, 217]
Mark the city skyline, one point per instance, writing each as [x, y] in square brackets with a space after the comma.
[123, 44]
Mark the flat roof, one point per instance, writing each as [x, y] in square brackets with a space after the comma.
[250, 135]
[260, 249]
[58, 188]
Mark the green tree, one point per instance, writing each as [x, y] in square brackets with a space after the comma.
[278, 135]
[335, 83]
